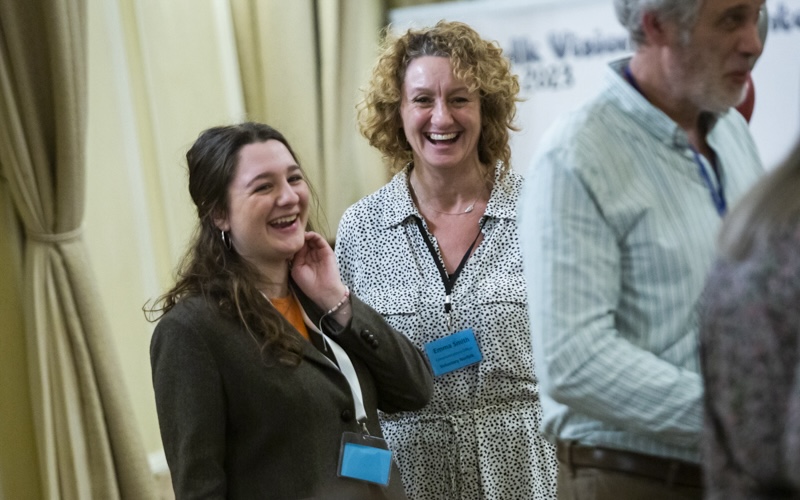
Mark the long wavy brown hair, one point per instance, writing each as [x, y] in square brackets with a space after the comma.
[209, 269]
[477, 62]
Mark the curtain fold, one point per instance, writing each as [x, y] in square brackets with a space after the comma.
[351, 168]
[18, 458]
[87, 445]
[281, 87]
[309, 92]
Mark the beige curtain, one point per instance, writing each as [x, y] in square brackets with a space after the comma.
[18, 462]
[349, 36]
[86, 443]
[302, 64]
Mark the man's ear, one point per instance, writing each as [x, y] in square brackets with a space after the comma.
[657, 32]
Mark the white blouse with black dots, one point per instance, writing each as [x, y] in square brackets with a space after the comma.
[479, 436]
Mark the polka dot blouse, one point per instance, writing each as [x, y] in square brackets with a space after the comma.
[479, 436]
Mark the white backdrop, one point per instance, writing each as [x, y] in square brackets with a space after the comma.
[560, 48]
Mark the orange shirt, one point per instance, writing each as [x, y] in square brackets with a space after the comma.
[290, 309]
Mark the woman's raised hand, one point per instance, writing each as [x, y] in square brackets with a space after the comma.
[315, 271]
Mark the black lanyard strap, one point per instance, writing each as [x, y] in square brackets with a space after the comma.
[448, 280]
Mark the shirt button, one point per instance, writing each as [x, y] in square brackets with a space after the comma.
[347, 415]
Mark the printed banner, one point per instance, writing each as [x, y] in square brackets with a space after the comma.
[560, 48]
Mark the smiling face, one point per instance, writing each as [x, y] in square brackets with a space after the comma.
[441, 117]
[267, 206]
[712, 67]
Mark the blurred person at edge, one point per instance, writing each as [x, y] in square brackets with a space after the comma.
[262, 359]
[436, 252]
[750, 345]
[617, 219]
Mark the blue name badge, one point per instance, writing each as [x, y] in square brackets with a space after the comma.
[365, 458]
[453, 352]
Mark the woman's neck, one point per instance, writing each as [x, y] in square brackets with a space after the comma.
[446, 190]
[275, 282]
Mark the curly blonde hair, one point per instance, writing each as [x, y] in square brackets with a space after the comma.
[477, 62]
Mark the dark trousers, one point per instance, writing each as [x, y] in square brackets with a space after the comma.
[586, 473]
[587, 483]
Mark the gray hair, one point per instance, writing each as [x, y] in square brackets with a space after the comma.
[631, 12]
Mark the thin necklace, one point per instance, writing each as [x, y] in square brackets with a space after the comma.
[467, 210]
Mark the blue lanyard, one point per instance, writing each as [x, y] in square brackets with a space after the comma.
[717, 195]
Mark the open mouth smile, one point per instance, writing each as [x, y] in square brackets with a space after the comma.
[442, 138]
[283, 222]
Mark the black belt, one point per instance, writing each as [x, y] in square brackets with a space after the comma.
[669, 470]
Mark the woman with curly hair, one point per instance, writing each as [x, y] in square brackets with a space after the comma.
[436, 252]
[268, 373]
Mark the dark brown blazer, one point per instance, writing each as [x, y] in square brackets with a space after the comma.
[238, 424]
